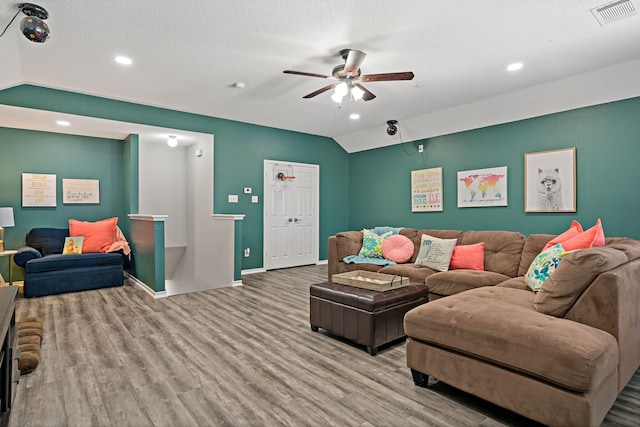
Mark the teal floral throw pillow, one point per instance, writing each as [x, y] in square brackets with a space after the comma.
[543, 265]
[372, 244]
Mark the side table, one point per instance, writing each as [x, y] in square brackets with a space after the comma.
[10, 254]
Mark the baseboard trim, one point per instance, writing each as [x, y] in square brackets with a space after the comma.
[322, 262]
[237, 283]
[140, 284]
[253, 271]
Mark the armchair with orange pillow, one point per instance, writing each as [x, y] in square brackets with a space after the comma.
[98, 263]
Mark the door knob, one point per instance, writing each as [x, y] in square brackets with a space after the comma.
[290, 219]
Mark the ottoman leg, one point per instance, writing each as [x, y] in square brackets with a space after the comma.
[314, 328]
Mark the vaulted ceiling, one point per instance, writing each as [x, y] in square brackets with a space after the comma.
[187, 55]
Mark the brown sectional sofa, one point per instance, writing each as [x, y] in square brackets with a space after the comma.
[560, 356]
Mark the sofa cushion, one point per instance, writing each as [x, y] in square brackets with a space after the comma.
[435, 253]
[500, 325]
[574, 229]
[397, 248]
[532, 247]
[47, 241]
[574, 274]
[372, 244]
[543, 266]
[70, 262]
[515, 283]
[468, 257]
[415, 273]
[98, 235]
[502, 249]
[348, 243]
[455, 281]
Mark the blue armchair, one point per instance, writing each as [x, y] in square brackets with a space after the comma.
[48, 272]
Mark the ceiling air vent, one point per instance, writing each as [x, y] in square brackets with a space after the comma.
[614, 11]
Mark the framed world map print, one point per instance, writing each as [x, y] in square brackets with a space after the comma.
[482, 187]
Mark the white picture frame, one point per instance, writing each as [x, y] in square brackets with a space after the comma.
[550, 181]
[481, 188]
[80, 191]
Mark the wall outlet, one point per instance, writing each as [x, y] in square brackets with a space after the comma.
[254, 199]
[420, 148]
[247, 252]
[247, 190]
[233, 198]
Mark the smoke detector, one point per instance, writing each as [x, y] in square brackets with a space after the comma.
[614, 11]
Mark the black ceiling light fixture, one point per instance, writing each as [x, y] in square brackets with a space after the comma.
[32, 26]
[392, 129]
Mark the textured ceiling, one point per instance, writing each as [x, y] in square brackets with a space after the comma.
[188, 54]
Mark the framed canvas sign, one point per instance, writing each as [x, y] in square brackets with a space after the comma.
[85, 191]
[482, 187]
[550, 181]
[426, 190]
[38, 190]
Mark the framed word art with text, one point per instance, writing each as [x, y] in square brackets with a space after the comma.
[426, 190]
[550, 181]
[38, 190]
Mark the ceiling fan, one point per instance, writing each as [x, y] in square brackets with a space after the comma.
[349, 76]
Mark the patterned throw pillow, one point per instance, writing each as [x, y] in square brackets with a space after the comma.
[543, 265]
[435, 253]
[372, 244]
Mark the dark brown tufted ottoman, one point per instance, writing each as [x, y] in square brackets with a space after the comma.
[367, 317]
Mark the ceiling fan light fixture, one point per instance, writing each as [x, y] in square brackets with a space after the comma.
[357, 93]
[337, 98]
[342, 89]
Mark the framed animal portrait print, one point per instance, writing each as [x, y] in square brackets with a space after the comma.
[550, 181]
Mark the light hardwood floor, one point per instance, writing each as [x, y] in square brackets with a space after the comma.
[241, 356]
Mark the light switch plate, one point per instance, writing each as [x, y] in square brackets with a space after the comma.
[233, 198]
[254, 199]
[247, 190]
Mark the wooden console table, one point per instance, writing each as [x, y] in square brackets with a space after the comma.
[9, 354]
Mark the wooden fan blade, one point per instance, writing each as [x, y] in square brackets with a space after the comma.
[302, 73]
[353, 61]
[367, 96]
[319, 91]
[406, 75]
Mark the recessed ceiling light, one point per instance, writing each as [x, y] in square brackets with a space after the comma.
[123, 60]
[62, 123]
[354, 116]
[515, 66]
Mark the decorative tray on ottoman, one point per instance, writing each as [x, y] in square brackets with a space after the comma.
[371, 280]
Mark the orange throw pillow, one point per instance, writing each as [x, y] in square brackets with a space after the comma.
[468, 257]
[98, 236]
[592, 238]
[573, 231]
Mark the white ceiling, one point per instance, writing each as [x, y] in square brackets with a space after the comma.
[187, 55]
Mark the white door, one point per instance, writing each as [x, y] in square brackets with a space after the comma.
[290, 214]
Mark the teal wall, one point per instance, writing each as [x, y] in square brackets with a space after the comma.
[607, 141]
[66, 156]
[239, 152]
